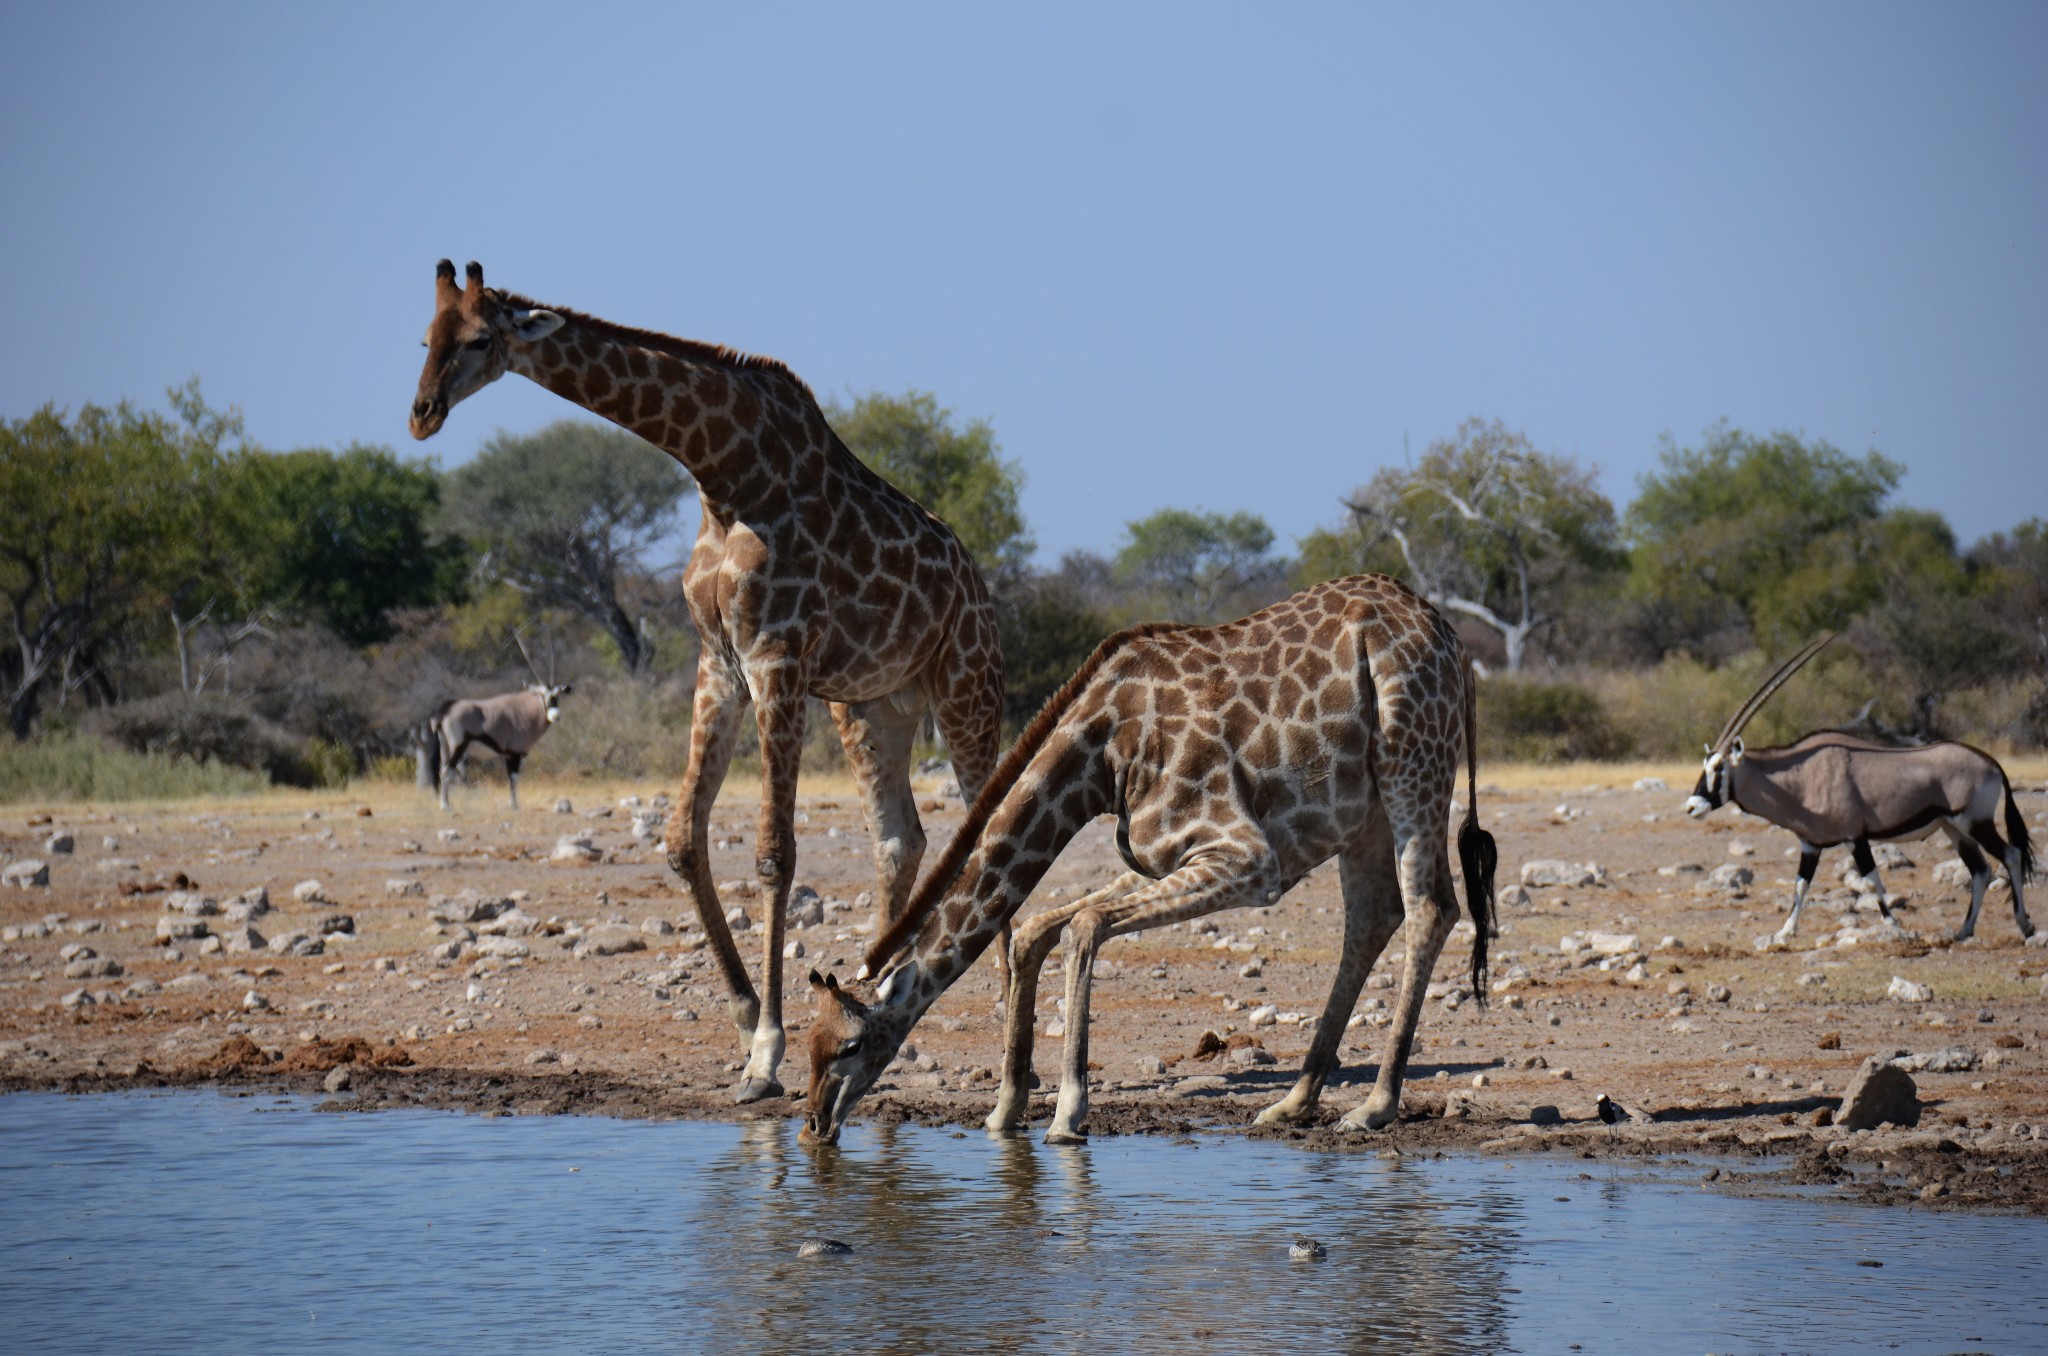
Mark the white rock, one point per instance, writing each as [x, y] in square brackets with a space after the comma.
[1952, 873]
[1953, 1059]
[1613, 943]
[1731, 877]
[59, 844]
[253, 1001]
[399, 887]
[1741, 847]
[1512, 897]
[1652, 784]
[1264, 1015]
[237, 938]
[563, 807]
[310, 892]
[1906, 991]
[505, 948]
[1550, 872]
[27, 874]
[575, 848]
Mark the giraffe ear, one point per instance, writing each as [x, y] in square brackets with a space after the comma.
[533, 325]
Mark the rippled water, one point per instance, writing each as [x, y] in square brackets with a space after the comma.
[203, 1222]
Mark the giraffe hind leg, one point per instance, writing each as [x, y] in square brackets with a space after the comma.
[1372, 913]
[877, 737]
[714, 732]
[1430, 912]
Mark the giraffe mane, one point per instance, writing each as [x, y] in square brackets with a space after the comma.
[937, 880]
[689, 350]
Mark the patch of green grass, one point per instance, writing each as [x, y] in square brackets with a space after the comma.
[73, 767]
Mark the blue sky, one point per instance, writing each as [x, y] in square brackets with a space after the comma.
[1220, 257]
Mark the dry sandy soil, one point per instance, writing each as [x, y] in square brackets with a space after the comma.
[1724, 1050]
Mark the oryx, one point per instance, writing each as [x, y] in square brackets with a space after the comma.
[1832, 787]
[509, 725]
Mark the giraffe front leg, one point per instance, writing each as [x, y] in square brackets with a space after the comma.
[1035, 942]
[1233, 873]
[1372, 912]
[779, 694]
[714, 731]
[1431, 912]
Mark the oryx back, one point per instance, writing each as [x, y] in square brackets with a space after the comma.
[1832, 787]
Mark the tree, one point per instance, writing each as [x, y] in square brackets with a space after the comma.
[567, 516]
[1756, 540]
[82, 517]
[1199, 567]
[1484, 526]
[353, 537]
[957, 473]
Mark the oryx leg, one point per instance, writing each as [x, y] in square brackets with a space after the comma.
[1809, 862]
[1224, 875]
[451, 765]
[1980, 876]
[1430, 911]
[877, 737]
[1866, 867]
[780, 691]
[2007, 855]
[512, 762]
[1372, 912]
[1035, 941]
[714, 731]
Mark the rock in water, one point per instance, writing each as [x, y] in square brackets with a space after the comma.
[1880, 1093]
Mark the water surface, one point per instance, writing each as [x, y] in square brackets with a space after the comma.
[197, 1221]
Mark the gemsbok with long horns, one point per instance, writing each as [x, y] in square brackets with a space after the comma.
[1830, 787]
[509, 725]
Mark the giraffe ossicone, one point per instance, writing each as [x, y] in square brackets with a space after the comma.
[1235, 759]
[811, 576]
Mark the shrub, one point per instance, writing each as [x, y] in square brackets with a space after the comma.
[1525, 721]
[218, 730]
[77, 766]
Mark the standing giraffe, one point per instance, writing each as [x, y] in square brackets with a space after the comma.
[811, 576]
[1236, 759]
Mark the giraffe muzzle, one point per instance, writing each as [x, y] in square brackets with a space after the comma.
[427, 418]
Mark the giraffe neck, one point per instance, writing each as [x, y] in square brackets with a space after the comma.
[1027, 832]
[706, 406]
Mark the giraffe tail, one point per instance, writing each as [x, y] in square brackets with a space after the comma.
[1477, 855]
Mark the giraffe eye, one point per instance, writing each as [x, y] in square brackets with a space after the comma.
[478, 345]
[848, 1049]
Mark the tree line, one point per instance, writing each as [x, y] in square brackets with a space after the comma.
[173, 587]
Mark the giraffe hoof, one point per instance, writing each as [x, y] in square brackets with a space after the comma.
[1280, 1113]
[756, 1090]
[1066, 1137]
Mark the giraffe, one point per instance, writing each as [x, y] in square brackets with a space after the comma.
[811, 576]
[1236, 758]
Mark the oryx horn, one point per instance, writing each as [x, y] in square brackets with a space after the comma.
[1777, 680]
[520, 641]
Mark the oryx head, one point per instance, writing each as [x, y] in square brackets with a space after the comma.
[1724, 755]
[469, 344]
[851, 1043]
[550, 697]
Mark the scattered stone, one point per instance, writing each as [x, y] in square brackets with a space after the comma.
[564, 807]
[190, 903]
[253, 1001]
[1150, 1066]
[1549, 872]
[296, 944]
[78, 998]
[1953, 1059]
[1906, 991]
[1652, 784]
[338, 1079]
[449, 835]
[29, 873]
[467, 906]
[1831, 1041]
[609, 939]
[177, 928]
[1741, 847]
[545, 1057]
[505, 948]
[736, 918]
[1252, 1055]
[1880, 1094]
[1545, 1115]
[575, 849]
[238, 938]
[252, 903]
[1952, 873]
[806, 908]
[399, 887]
[59, 844]
[310, 892]
[1612, 943]
[1263, 1015]
[1512, 897]
[1732, 878]
[1719, 993]
[793, 950]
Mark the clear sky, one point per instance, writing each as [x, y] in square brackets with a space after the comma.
[1220, 257]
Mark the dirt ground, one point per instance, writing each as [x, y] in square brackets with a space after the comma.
[1724, 1051]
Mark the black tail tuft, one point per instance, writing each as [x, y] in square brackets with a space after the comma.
[1477, 857]
[2016, 832]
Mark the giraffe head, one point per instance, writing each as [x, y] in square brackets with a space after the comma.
[851, 1043]
[469, 343]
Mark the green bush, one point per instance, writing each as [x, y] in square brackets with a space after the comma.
[219, 730]
[78, 766]
[1525, 721]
